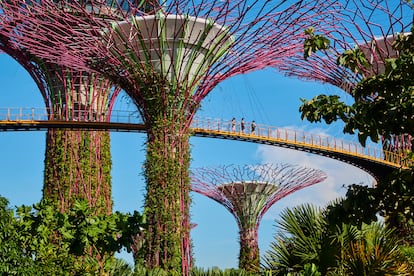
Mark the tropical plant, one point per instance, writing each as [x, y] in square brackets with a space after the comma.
[392, 198]
[301, 239]
[121, 268]
[12, 261]
[215, 271]
[41, 240]
[408, 252]
[306, 244]
[308, 270]
[375, 252]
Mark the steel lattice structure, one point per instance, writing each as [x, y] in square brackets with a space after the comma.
[371, 26]
[248, 192]
[167, 58]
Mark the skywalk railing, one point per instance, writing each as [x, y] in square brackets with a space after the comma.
[301, 139]
[42, 114]
[224, 128]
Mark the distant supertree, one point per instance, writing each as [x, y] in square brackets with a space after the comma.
[370, 26]
[77, 162]
[248, 192]
[168, 58]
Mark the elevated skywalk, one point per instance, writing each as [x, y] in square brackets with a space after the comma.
[371, 159]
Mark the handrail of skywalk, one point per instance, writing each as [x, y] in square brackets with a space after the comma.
[41, 114]
[226, 128]
[301, 139]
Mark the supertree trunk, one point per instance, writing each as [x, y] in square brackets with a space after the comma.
[166, 171]
[167, 200]
[78, 162]
[78, 166]
[249, 257]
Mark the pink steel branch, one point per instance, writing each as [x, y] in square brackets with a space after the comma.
[285, 179]
[69, 94]
[370, 25]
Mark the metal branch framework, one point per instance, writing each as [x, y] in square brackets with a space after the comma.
[248, 192]
[167, 58]
[370, 25]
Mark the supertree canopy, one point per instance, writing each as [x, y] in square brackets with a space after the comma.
[370, 27]
[167, 58]
[248, 192]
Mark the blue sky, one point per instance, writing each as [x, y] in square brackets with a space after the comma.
[264, 96]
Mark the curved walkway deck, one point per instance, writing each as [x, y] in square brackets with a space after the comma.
[373, 160]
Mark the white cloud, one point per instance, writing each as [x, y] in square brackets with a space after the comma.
[339, 175]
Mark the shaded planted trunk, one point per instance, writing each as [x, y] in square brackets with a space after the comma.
[166, 110]
[249, 258]
[78, 166]
[167, 201]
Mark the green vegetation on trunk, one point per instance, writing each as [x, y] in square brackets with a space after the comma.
[167, 175]
[78, 166]
[249, 258]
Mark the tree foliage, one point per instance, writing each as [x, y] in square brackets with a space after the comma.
[392, 198]
[41, 240]
[314, 43]
[12, 259]
[301, 239]
[383, 104]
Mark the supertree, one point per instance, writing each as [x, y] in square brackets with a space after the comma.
[77, 162]
[370, 27]
[167, 59]
[248, 192]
